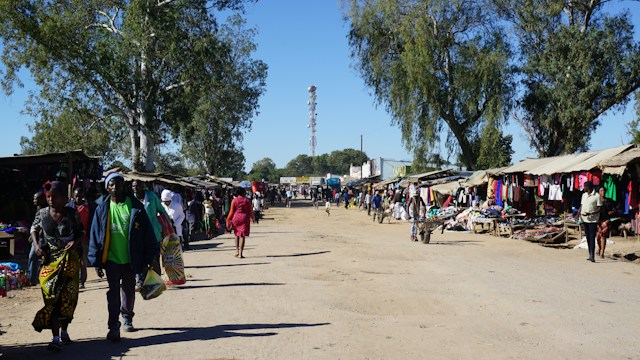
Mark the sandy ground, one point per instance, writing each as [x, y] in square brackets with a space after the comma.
[342, 287]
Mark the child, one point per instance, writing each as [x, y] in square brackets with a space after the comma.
[327, 207]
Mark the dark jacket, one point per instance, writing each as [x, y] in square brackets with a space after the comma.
[143, 245]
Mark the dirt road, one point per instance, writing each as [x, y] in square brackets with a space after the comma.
[341, 287]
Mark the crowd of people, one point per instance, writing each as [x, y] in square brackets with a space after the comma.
[117, 230]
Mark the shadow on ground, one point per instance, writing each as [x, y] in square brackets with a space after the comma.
[299, 254]
[187, 287]
[224, 265]
[101, 349]
[455, 242]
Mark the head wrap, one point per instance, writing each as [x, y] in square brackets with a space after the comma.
[166, 195]
[54, 185]
[112, 176]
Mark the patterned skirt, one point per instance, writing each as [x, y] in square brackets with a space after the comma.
[59, 280]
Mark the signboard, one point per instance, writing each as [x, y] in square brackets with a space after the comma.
[287, 180]
[302, 180]
[316, 181]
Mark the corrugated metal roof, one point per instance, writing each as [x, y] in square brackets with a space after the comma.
[430, 175]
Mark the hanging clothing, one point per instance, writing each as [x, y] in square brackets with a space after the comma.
[499, 193]
[555, 193]
[611, 191]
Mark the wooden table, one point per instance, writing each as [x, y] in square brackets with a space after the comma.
[572, 225]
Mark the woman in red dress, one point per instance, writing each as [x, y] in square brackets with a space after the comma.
[240, 217]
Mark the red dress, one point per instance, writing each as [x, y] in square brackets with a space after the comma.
[241, 219]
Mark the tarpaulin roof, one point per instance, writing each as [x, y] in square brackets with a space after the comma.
[381, 184]
[556, 164]
[524, 165]
[565, 163]
[622, 159]
[598, 157]
[448, 188]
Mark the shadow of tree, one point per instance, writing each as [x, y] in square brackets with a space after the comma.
[101, 349]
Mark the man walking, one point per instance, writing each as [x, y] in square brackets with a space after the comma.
[123, 243]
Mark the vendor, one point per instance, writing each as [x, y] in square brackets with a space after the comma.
[589, 214]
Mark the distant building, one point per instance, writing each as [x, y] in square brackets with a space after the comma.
[383, 167]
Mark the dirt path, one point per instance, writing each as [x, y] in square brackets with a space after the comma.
[341, 287]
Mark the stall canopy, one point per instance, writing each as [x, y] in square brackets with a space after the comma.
[448, 188]
[565, 163]
[617, 164]
[481, 177]
[431, 175]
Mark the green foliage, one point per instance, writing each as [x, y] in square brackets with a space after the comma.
[264, 169]
[494, 148]
[634, 125]
[170, 163]
[224, 107]
[142, 62]
[68, 129]
[301, 165]
[578, 62]
[337, 162]
[440, 67]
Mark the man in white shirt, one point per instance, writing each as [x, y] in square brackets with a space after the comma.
[589, 213]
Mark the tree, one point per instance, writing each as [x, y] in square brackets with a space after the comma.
[138, 61]
[71, 127]
[224, 109]
[577, 62]
[264, 169]
[301, 165]
[494, 148]
[339, 161]
[634, 126]
[438, 66]
[320, 164]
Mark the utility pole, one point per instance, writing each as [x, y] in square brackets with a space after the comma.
[361, 167]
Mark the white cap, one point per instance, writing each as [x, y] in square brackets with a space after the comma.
[166, 195]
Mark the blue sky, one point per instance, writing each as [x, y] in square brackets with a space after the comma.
[304, 42]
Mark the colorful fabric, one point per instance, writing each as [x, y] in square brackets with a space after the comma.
[172, 260]
[60, 273]
[603, 229]
[153, 207]
[241, 216]
[60, 280]
[611, 190]
[120, 219]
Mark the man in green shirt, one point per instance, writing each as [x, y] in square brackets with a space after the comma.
[123, 243]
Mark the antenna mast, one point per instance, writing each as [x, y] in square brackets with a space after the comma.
[312, 118]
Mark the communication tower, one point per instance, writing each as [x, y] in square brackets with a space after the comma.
[312, 118]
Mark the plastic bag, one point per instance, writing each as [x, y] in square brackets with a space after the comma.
[153, 285]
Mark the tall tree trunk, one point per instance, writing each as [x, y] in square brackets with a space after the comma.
[146, 141]
[135, 149]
